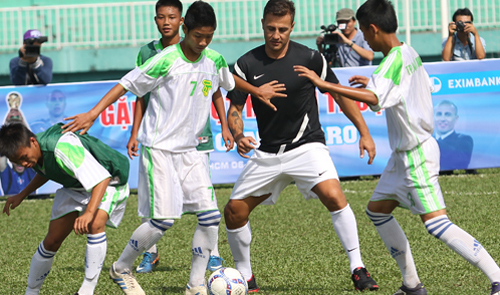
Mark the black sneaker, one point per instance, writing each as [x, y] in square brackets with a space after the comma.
[362, 280]
[252, 285]
[418, 290]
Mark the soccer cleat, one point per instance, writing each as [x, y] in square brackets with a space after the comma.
[252, 285]
[148, 263]
[126, 281]
[362, 280]
[215, 263]
[495, 288]
[200, 290]
[418, 290]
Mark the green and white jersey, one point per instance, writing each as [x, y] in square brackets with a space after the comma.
[181, 96]
[403, 89]
[151, 49]
[77, 161]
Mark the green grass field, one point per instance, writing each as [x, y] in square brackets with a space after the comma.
[294, 251]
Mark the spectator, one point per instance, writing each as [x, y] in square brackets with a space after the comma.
[352, 49]
[31, 67]
[463, 42]
[455, 148]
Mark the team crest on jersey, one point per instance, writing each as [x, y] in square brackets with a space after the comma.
[207, 85]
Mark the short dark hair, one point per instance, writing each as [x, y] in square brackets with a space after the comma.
[463, 11]
[174, 3]
[380, 13]
[200, 14]
[280, 8]
[12, 137]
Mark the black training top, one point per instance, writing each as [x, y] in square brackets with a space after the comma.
[297, 120]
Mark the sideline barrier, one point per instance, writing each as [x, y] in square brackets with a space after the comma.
[473, 86]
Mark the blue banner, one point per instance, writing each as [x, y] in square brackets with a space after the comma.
[466, 117]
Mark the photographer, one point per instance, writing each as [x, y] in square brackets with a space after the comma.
[463, 41]
[31, 67]
[349, 43]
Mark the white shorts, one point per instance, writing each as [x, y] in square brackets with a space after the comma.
[264, 173]
[411, 178]
[113, 202]
[172, 184]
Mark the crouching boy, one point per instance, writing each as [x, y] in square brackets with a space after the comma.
[93, 194]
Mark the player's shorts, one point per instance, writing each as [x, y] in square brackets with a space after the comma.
[411, 178]
[172, 184]
[113, 202]
[264, 173]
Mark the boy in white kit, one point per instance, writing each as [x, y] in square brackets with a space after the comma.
[401, 86]
[183, 80]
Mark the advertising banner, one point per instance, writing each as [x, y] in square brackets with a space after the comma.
[466, 99]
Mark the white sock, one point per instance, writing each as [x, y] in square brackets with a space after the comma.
[153, 248]
[346, 228]
[464, 244]
[146, 235]
[215, 251]
[239, 241]
[396, 242]
[94, 258]
[204, 239]
[39, 269]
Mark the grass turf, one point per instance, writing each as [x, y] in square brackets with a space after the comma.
[294, 249]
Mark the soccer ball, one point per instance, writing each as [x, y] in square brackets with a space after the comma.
[227, 281]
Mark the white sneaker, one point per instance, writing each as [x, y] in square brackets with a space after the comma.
[200, 290]
[126, 281]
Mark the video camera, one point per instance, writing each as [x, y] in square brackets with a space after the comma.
[32, 50]
[329, 38]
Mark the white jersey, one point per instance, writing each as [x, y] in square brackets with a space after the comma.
[403, 88]
[181, 96]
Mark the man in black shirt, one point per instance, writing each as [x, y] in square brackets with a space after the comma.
[292, 146]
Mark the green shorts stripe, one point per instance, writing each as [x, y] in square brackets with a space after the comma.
[421, 180]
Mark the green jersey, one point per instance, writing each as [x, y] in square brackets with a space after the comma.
[79, 161]
[146, 52]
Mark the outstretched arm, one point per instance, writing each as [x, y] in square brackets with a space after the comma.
[358, 94]
[84, 121]
[235, 122]
[264, 93]
[218, 101]
[14, 201]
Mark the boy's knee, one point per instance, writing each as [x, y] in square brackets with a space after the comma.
[235, 215]
[52, 243]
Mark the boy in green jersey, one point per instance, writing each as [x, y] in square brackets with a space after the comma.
[93, 194]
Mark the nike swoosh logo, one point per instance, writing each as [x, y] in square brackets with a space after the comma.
[257, 77]
[350, 250]
[321, 173]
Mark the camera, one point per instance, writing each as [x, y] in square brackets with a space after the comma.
[329, 38]
[460, 26]
[32, 50]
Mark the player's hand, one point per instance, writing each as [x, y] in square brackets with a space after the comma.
[452, 28]
[366, 144]
[310, 74]
[81, 121]
[81, 225]
[228, 139]
[132, 147]
[270, 90]
[358, 81]
[12, 203]
[245, 145]
[343, 38]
